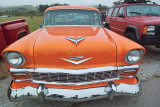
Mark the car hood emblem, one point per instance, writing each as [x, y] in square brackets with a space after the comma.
[76, 62]
[75, 40]
[76, 58]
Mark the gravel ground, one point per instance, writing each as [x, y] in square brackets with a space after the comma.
[149, 74]
[150, 65]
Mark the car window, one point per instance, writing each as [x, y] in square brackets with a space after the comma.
[143, 10]
[72, 17]
[114, 12]
[121, 12]
[110, 12]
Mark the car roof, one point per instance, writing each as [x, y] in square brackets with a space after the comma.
[72, 7]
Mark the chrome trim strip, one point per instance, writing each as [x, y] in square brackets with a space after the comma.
[74, 71]
[83, 83]
[21, 70]
[76, 62]
[72, 25]
[58, 83]
[128, 67]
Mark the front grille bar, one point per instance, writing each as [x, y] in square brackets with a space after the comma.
[74, 76]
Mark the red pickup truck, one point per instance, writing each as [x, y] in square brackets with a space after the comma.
[138, 20]
[11, 31]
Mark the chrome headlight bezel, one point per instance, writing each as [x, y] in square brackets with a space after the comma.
[151, 28]
[6, 55]
[140, 52]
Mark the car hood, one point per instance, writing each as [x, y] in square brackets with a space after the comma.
[146, 19]
[53, 50]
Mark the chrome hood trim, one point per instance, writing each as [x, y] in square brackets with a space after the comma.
[75, 40]
[76, 62]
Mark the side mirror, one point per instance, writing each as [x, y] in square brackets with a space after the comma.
[40, 26]
[104, 23]
[121, 15]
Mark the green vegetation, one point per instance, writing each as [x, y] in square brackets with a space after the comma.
[25, 8]
[33, 22]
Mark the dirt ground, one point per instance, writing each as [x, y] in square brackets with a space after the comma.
[3, 69]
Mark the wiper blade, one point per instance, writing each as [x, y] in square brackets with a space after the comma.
[152, 14]
[135, 12]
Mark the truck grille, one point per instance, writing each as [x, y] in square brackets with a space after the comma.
[73, 78]
[158, 30]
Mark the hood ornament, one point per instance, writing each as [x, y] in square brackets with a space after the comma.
[75, 40]
[76, 62]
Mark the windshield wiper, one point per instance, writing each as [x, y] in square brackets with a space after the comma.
[136, 13]
[152, 14]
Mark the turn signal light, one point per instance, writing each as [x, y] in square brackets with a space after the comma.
[132, 73]
[145, 30]
[20, 77]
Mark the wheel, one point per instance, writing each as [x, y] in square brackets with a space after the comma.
[157, 46]
[107, 26]
[131, 35]
[21, 35]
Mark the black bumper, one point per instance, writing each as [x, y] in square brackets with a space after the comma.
[150, 40]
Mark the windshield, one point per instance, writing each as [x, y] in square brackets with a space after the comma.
[72, 17]
[143, 10]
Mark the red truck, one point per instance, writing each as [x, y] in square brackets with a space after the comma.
[138, 20]
[11, 31]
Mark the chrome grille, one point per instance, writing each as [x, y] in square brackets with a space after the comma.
[73, 78]
[158, 30]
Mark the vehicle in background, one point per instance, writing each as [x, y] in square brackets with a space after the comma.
[11, 31]
[138, 20]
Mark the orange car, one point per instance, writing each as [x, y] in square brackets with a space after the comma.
[74, 58]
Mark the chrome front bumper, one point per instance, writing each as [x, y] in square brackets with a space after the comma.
[78, 95]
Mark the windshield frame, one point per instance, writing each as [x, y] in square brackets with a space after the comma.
[141, 13]
[101, 25]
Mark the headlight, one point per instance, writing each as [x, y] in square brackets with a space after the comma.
[151, 28]
[15, 59]
[134, 56]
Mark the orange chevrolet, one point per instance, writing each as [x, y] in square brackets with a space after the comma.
[73, 57]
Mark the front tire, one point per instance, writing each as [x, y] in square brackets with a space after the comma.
[21, 35]
[157, 46]
[131, 35]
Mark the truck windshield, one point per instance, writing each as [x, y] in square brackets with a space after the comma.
[143, 10]
[64, 17]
